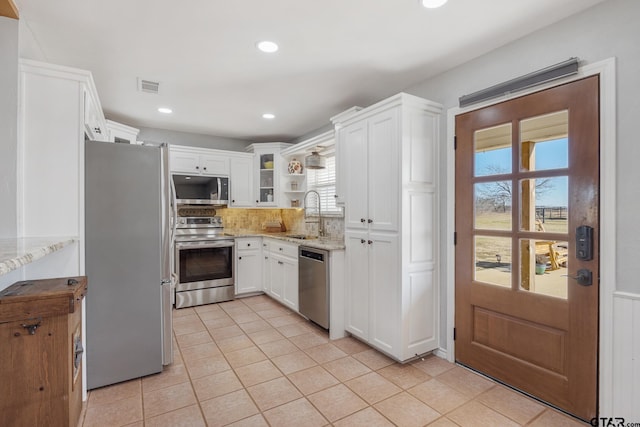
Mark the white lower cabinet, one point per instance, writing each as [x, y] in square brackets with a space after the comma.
[373, 290]
[281, 281]
[357, 290]
[248, 265]
[289, 267]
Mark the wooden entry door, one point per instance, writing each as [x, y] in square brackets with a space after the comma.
[527, 177]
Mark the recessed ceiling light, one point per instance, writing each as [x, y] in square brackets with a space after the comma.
[165, 110]
[267, 46]
[268, 116]
[432, 4]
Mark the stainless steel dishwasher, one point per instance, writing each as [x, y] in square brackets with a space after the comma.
[313, 284]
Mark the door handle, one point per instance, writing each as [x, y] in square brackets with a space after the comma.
[584, 277]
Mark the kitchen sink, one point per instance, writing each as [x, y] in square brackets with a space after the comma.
[301, 236]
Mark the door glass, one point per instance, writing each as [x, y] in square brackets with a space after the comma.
[202, 264]
[493, 205]
[544, 143]
[492, 147]
[266, 178]
[543, 267]
[493, 260]
[544, 203]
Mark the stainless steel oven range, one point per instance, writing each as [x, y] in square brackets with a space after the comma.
[203, 258]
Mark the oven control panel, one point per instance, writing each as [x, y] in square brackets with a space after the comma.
[215, 221]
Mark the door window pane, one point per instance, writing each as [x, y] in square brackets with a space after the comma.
[544, 203]
[493, 205]
[492, 148]
[543, 142]
[543, 267]
[493, 260]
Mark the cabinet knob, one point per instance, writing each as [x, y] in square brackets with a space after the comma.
[280, 262]
[362, 220]
[335, 196]
[248, 244]
[369, 241]
[362, 241]
[369, 221]
[257, 201]
[280, 249]
[197, 167]
[233, 201]
[205, 168]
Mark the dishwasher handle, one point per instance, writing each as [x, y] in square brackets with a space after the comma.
[312, 255]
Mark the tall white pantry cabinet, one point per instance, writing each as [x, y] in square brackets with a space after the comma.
[388, 178]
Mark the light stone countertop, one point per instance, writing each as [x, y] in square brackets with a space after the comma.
[20, 251]
[325, 243]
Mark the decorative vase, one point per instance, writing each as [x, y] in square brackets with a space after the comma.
[295, 167]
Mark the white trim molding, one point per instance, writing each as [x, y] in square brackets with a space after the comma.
[625, 377]
[609, 387]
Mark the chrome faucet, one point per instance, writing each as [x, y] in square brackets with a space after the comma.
[320, 221]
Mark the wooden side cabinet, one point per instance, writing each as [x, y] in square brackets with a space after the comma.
[41, 352]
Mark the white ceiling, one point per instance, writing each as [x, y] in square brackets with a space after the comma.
[334, 54]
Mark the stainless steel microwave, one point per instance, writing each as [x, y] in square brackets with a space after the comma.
[201, 190]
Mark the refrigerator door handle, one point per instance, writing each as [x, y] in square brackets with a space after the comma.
[174, 206]
[165, 214]
[167, 320]
[167, 243]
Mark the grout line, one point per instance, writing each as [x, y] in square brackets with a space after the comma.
[286, 376]
[184, 363]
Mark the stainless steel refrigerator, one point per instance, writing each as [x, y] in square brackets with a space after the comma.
[127, 259]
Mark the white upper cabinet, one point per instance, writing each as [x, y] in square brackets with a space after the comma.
[383, 167]
[267, 172]
[95, 124]
[241, 180]
[122, 133]
[55, 107]
[214, 165]
[372, 179]
[355, 144]
[342, 167]
[388, 154]
[198, 161]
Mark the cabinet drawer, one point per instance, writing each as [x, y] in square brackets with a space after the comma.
[248, 243]
[284, 248]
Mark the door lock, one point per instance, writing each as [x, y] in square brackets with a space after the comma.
[584, 277]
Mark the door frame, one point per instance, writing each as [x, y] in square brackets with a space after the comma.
[606, 69]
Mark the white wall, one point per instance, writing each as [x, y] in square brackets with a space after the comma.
[8, 125]
[607, 30]
[191, 139]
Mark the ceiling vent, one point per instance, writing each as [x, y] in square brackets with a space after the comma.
[148, 86]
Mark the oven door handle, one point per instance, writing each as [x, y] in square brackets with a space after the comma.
[203, 245]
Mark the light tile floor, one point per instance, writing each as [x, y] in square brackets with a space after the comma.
[252, 362]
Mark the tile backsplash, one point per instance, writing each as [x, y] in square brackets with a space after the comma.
[253, 220]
